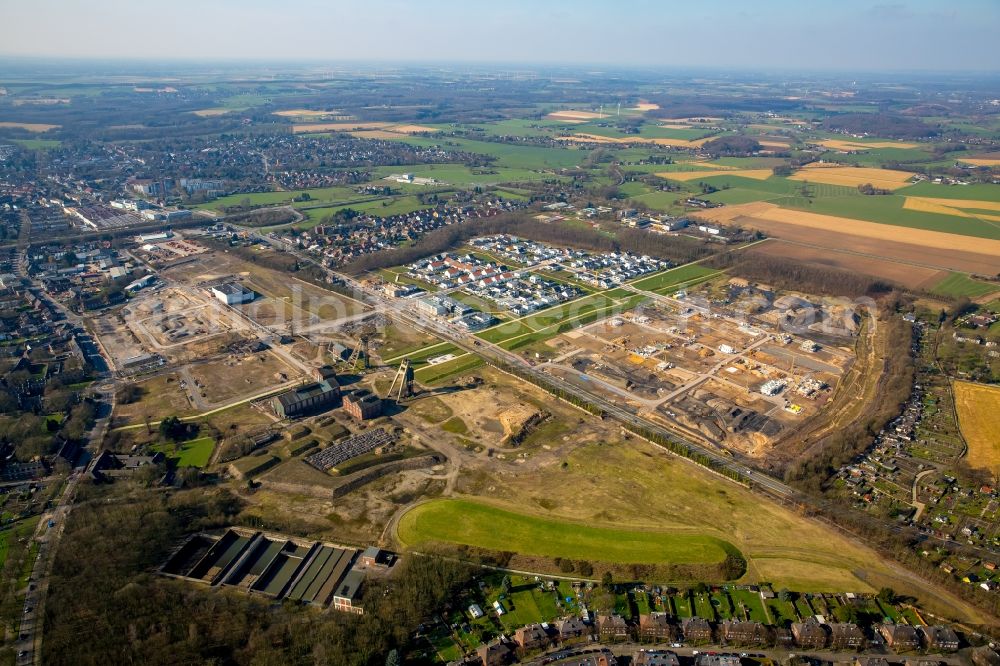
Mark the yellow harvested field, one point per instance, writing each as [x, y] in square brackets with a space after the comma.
[631, 140]
[980, 161]
[923, 205]
[208, 113]
[646, 106]
[978, 409]
[356, 128]
[574, 115]
[885, 179]
[976, 204]
[771, 143]
[31, 127]
[674, 126]
[838, 144]
[684, 176]
[337, 127]
[413, 129]
[694, 120]
[375, 134]
[304, 113]
[745, 214]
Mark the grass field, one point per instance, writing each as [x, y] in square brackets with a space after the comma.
[960, 284]
[39, 144]
[458, 174]
[430, 374]
[194, 453]
[477, 524]
[511, 155]
[673, 277]
[974, 192]
[316, 196]
[599, 480]
[379, 207]
[979, 419]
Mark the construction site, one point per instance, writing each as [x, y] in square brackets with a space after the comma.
[217, 351]
[723, 378]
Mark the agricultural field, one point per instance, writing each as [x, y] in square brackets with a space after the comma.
[978, 409]
[911, 276]
[928, 247]
[36, 128]
[959, 284]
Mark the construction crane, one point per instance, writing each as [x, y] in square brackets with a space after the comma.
[405, 378]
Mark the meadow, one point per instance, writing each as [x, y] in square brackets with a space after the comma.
[477, 524]
[510, 155]
[597, 479]
[960, 284]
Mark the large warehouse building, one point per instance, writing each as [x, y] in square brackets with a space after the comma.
[232, 293]
[308, 399]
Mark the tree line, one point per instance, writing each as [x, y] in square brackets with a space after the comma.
[789, 274]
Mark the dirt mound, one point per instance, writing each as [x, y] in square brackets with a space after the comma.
[518, 421]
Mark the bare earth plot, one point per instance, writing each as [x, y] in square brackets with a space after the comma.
[933, 249]
[904, 274]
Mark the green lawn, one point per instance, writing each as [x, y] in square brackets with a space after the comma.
[703, 606]
[527, 605]
[475, 524]
[682, 605]
[194, 453]
[418, 358]
[429, 374]
[960, 284]
[749, 602]
[505, 331]
[673, 277]
[782, 610]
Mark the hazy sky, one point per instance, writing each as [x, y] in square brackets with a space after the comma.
[812, 34]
